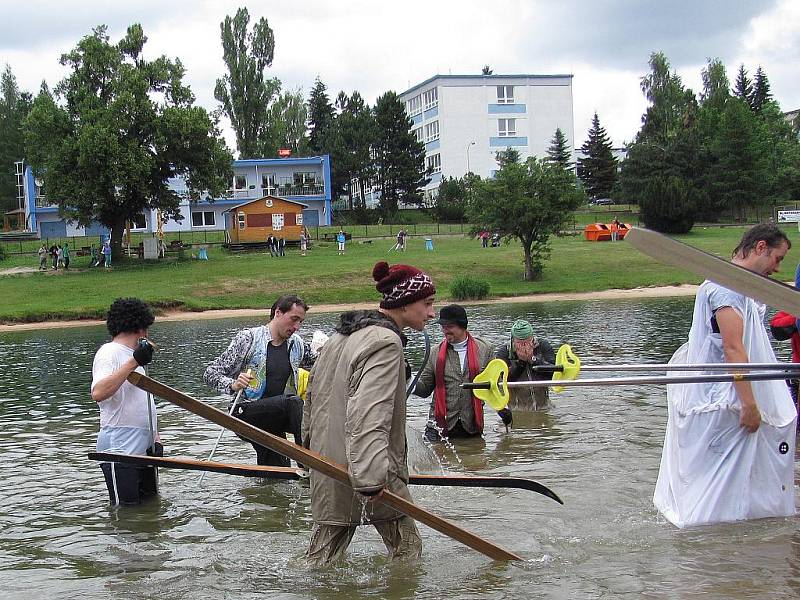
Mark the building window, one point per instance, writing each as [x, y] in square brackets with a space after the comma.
[505, 94]
[239, 182]
[299, 219]
[305, 178]
[203, 218]
[506, 127]
[138, 221]
[268, 184]
[241, 218]
[432, 131]
[414, 106]
[434, 163]
[431, 98]
[418, 134]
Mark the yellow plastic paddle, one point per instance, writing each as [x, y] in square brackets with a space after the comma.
[570, 366]
[497, 395]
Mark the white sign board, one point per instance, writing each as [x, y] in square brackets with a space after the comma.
[789, 216]
[277, 221]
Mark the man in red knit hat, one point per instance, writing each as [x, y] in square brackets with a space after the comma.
[355, 415]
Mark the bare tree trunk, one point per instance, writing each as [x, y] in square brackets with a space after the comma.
[526, 248]
[117, 233]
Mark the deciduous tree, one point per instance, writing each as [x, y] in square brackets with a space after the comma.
[529, 202]
[245, 92]
[125, 125]
[14, 107]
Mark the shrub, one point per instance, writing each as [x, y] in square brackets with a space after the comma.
[2, 253]
[465, 287]
[667, 205]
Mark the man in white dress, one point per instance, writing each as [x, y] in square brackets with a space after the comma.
[729, 447]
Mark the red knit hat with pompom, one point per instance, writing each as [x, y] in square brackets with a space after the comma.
[401, 284]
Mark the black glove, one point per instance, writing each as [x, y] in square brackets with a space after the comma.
[158, 451]
[506, 416]
[143, 355]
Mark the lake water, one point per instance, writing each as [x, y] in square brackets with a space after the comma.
[598, 448]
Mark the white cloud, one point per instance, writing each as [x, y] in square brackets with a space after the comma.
[373, 46]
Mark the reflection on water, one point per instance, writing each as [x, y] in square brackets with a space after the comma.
[599, 449]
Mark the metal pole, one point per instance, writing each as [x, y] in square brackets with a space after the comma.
[610, 381]
[222, 430]
[676, 367]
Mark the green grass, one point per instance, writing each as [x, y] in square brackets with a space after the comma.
[253, 280]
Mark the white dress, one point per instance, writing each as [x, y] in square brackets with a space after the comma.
[712, 469]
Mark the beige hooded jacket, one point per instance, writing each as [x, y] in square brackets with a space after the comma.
[355, 415]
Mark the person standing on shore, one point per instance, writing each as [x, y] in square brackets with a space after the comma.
[65, 255]
[355, 415]
[128, 420]
[341, 238]
[729, 447]
[42, 257]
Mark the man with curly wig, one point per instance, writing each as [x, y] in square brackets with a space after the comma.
[128, 422]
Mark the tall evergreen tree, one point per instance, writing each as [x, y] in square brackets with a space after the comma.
[356, 135]
[509, 156]
[559, 152]
[127, 125]
[14, 107]
[597, 168]
[743, 88]
[400, 157]
[321, 119]
[245, 93]
[761, 94]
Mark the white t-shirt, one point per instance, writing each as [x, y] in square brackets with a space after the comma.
[124, 421]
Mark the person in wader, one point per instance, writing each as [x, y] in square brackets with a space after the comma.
[455, 412]
[355, 415]
[128, 420]
[729, 446]
[267, 396]
[521, 353]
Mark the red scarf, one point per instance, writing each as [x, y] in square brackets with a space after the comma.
[440, 394]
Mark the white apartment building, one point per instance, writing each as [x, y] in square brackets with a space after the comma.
[464, 120]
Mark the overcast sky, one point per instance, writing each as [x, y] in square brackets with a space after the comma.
[373, 46]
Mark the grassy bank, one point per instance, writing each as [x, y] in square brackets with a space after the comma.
[254, 280]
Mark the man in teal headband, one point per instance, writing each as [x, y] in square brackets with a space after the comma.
[521, 353]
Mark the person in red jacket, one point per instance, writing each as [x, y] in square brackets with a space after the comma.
[784, 327]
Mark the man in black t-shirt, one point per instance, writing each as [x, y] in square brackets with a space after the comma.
[267, 397]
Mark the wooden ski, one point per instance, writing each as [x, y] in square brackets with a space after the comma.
[318, 463]
[292, 474]
[672, 252]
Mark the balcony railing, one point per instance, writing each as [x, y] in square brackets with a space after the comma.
[43, 202]
[282, 190]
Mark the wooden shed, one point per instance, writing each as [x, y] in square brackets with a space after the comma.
[253, 221]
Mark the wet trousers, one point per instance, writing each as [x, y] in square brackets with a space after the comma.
[329, 542]
[128, 484]
[277, 415]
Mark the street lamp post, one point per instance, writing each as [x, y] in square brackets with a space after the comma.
[468, 147]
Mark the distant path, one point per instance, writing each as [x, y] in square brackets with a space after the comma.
[650, 292]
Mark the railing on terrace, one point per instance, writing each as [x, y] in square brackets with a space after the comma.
[281, 190]
[43, 202]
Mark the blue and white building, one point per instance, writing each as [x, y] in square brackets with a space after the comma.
[464, 120]
[306, 180]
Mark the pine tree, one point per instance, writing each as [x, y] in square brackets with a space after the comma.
[761, 94]
[559, 152]
[400, 157]
[597, 169]
[744, 87]
[321, 117]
